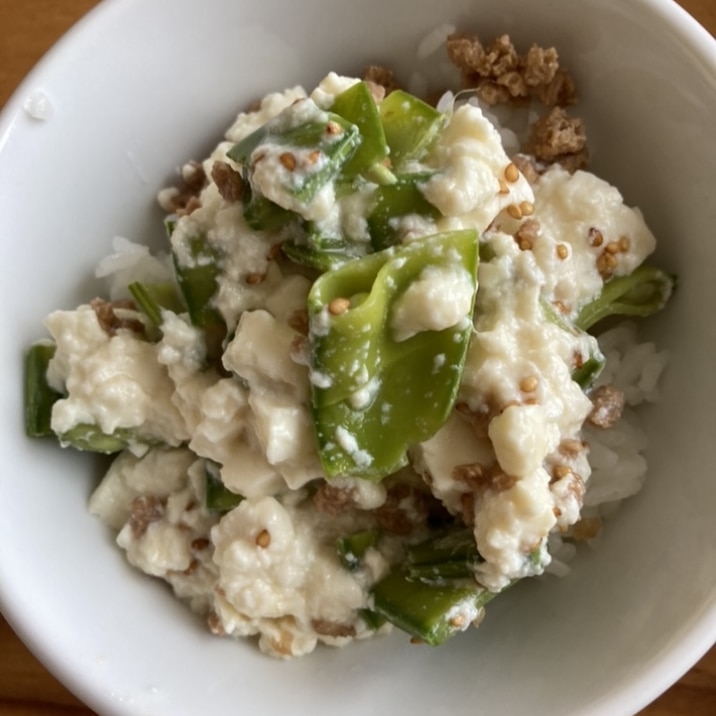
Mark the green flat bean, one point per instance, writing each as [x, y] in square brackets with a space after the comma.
[366, 384]
[410, 125]
[39, 396]
[356, 104]
[326, 138]
[642, 293]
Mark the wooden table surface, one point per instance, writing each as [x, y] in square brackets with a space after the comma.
[27, 29]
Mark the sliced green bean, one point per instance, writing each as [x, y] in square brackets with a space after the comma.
[219, 498]
[198, 282]
[326, 139]
[642, 293]
[90, 438]
[39, 396]
[352, 549]
[151, 298]
[393, 202]
[356, 104]
[429, 612]
[410, 125]
[368, 385]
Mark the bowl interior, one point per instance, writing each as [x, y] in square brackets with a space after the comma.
[138, 88]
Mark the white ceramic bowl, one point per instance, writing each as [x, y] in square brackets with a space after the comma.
[141, 85]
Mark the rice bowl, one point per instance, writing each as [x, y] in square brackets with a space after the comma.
[512, 603]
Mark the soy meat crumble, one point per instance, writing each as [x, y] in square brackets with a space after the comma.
[501, 75]
[266, 465]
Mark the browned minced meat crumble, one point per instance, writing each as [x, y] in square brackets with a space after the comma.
[333, 500]
[407, 508]
[380, 80]
[500, 75]
[558, 138]
[228, 180]
[184, 199]
[110, 322]
[145, 509]
[607, 406]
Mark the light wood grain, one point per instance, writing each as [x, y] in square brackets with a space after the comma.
[27, 29]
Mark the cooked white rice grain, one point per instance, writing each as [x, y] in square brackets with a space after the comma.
[131, 262]
[435, 40]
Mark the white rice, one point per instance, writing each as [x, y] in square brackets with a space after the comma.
[132, 262]
[632, 366]
[618, 465]
[616, 455]
[434, 41]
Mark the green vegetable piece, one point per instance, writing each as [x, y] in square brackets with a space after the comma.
[450, 545]
[153, 297]
[487, 253]
[379, 174]
[328, 258]
[219, 498]
[313, 258]
[429, 612]
[356, 104]
[365, 384]
[372, 620]
[198, 282]
[450, 555]
[90, 438]
[261, 214]
[322, 251]
[588, 372]
[643, 292]
[39, 396]
[394, 201]
[310, 144]
[351, 549]
[440, 572]
[410, 125]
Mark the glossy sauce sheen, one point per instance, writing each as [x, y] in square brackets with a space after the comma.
[29, 29]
